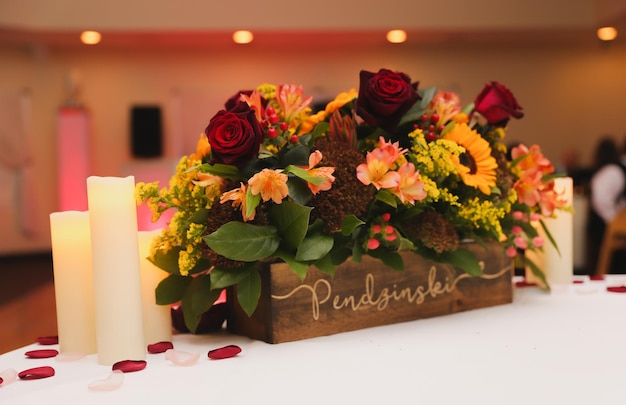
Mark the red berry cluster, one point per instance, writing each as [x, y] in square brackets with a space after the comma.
[273, 124]
[427, 124]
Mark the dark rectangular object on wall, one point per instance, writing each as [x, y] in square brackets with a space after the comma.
[146, 132]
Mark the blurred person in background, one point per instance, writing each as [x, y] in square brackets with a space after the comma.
[607, 195]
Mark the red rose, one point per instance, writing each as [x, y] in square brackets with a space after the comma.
[384, 97]
[497, 104]
[235, 135]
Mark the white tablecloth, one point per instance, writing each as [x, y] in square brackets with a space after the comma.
[568, 347]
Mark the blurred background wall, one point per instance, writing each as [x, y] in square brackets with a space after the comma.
[180, 57]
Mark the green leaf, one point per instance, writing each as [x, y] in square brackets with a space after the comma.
[199, 297]
[468, 108]
[419, 108]
[325, 265]
[222, 170]
[252, 201]
[167, 261]
[243, 242]
[388, 257]
[536, 271]
[300, 268]
[299, 191]
[171, 289]
[192, 320]
[304, 175]
[463, 259]
[222, 278]
[297, 155]
[550, 237]
[291, 221]
[350, 223]
[314, 247]
[200, 216]
[386, 197]
[249, 291]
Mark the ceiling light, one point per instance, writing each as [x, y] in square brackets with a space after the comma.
[90, 37]
[607, 33]
[396, 36]
[243, 37]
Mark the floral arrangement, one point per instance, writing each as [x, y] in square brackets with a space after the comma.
[389, 167]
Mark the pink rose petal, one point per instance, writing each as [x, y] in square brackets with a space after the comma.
[617, 289]
[112, 382]
[48, 340]
[160, 347]
[36, 373]
[8, 376]
[68, 357]
[41, 354]
[224, 352]
[129, 366]
[181, 358]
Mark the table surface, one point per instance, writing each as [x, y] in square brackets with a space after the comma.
[567, 347]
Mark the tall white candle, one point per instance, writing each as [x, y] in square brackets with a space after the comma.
[73, 281]
[157, 319]
[117, 284]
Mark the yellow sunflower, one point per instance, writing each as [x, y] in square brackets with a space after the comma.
[476, 165]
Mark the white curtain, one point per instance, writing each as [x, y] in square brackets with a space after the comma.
[18, 191]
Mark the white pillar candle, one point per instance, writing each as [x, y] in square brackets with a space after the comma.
[73, 281]
[557, 265]
[157, 319]
[117, 284]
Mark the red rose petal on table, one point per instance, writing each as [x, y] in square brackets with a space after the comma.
[160, 347]
[524, 283]
[48, 340]
[129, 366]
[41, 354]
[36, 373]
[617, 289]
[578, 281]
[596, 278]
[224, 352]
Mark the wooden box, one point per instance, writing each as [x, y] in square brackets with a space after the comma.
[368, 294]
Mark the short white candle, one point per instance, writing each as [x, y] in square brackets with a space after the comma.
[157, 319]
[117, 284]
[557, 265]
[73, 281]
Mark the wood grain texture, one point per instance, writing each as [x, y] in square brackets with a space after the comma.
[368, 294]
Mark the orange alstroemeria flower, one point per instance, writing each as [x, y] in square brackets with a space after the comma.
[238, 197]
[376, 171]
[208, 180]
[323, 172]
[271, 184]
[409, 188]
[255, 101]
[291, 99]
